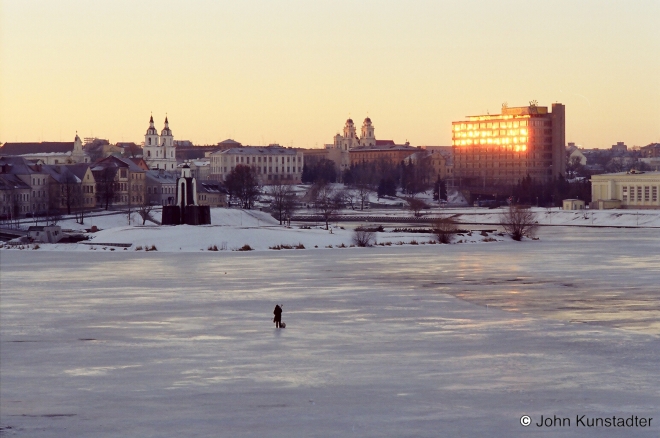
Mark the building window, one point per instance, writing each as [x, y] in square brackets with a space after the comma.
[654, 193]
[639, 193]
[647, 193]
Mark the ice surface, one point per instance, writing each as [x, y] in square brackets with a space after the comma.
[377, 343]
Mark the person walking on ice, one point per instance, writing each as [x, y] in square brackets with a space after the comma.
[278, 316]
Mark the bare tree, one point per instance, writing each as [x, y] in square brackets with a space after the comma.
[444, 228]
[242, 184]
[70, 191]
[106, 186]
[363, 192]
[349, 198]
[364, 237]
[145, 210]
[327, 201]
[53, 214]
[284, 200]
[416, 206]
[518, 222]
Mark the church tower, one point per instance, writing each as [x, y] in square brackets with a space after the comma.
[367, 138]
[168, 148]
[350, 138]
[151, 149]
[78, 155]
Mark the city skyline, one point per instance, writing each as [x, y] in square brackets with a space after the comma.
[292, 72]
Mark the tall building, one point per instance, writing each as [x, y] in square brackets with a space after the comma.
[496, 150]
[159, 152]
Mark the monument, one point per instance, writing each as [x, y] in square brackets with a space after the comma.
[186, 211]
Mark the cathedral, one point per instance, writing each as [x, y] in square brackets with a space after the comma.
[350, 139]
[159, 152]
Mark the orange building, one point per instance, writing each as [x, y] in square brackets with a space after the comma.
[499, 150]
[383, 150]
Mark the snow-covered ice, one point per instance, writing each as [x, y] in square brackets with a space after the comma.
[435, 340]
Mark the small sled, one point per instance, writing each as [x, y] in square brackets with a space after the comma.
[282, 325]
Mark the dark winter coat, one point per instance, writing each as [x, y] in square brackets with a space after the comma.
[278, 313]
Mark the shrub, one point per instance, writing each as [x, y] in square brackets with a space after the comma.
[138, 248]
[489, 239]
[518, 222]
[36, 246]
[364, 238]
[378, 229]
[444, 229]
[213, 248]
[245, 247]
[414, 242]
[151, 248]
[300, 246]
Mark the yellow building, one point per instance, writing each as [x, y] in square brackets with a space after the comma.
[501, 149]
[634, 189]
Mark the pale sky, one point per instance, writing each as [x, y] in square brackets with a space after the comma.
[292, 72]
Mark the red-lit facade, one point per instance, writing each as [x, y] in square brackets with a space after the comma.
[499, 150]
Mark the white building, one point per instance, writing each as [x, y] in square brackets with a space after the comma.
[272, 164]
[49, 152]
[159, 152]
[634, 189]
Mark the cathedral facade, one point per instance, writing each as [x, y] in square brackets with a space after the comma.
[159, 151]
[350, 139]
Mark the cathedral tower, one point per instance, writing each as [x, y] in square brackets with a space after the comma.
[159, 152]
[367, 138]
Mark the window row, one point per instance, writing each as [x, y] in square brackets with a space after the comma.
[639, 193]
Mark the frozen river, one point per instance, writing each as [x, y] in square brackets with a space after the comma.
[458, 340]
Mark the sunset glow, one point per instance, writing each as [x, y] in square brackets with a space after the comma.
[291, 72]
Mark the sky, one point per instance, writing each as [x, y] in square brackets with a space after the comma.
[292, 72]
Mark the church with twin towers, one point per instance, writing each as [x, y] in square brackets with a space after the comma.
[350, 139]
[159, 151]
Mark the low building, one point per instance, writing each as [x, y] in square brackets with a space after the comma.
[441, 161]
[64, 189]
[119, 181]
[620, 147]
[650, 151]
[272, 164]
[14, 197]
[577, 155]
[199, 169]
[573, 204]
[45, 234]
[394, 153]
[161, 187]
[34, 176]
[211, 193]
[88, 184]
[633, 189]
[50, 152]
